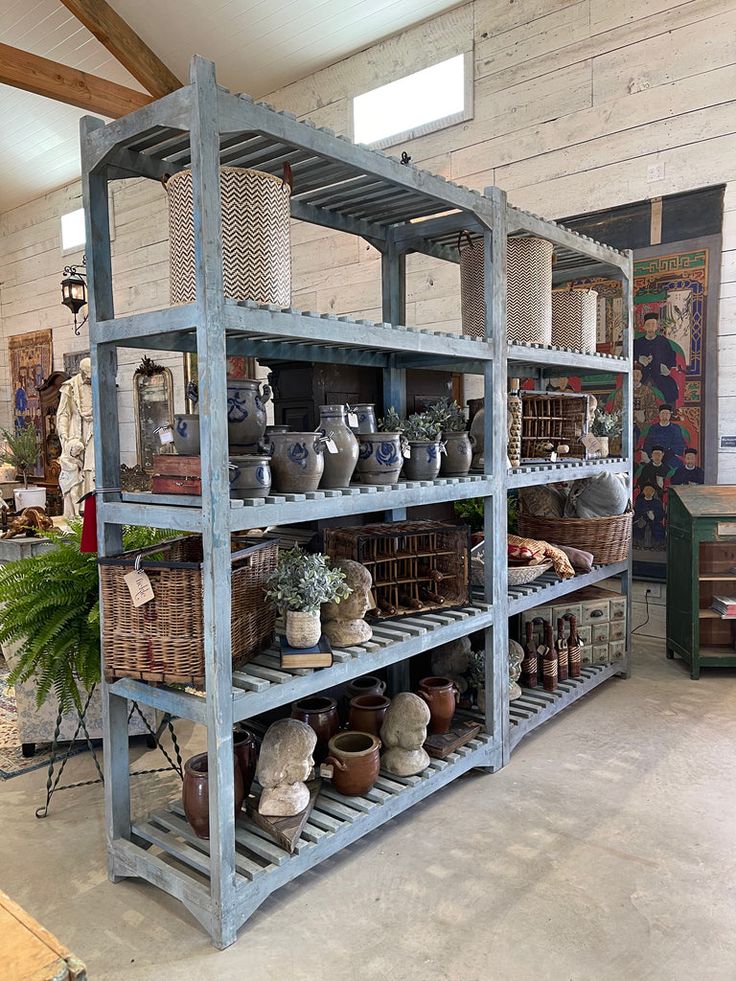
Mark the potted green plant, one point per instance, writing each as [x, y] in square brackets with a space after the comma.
[298, 586]
[606, 426]
[458, 443]
[21, 451]
[471, 511]
[51, 618]
[422, 432]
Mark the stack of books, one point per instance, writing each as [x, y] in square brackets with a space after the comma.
[306, 657]
[725, 606]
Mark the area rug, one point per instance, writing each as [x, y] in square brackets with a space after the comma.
[12, 761]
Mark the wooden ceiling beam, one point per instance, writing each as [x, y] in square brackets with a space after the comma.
[48, 78]
[121, 40]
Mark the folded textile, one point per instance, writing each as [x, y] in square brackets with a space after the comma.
[581, 560]
[542, 550]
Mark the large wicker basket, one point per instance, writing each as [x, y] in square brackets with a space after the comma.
[256, 236]
[163, 640]
[608, 539]
[529, 293]
[574, 319]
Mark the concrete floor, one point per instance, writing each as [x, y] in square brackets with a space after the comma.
[604, 851]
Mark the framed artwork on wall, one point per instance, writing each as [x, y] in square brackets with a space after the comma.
[31, 359]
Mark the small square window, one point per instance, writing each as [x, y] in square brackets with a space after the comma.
[414, 105]
[73, 233]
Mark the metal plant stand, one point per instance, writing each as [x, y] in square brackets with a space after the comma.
[355, 190]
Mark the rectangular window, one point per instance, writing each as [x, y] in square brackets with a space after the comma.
[73, 234]
[417, 104]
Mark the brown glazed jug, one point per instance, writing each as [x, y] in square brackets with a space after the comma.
[246, 753]
[195, 793]
[319, 712]
[367, 712]
[440, 694]
[356, 759]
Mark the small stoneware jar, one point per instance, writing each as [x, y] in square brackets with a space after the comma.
[356, 759]
[320, 713]
[297, 462]
[246, 413]
[380, 458]
[245, 747]
[367, 712]
[270, 430]
[186, 434]
[440, 694]
[250, 476]
[195, 793]
[365, 413]
[367, 685]
[424, 461]
[458, 454]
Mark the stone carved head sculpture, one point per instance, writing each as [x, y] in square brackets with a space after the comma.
[284, 763]
[343, 622]
[403, 733]
[85, 369]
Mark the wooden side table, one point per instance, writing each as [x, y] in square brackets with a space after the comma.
[701, 564]
[31, 953]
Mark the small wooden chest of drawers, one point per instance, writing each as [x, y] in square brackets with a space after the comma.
[601, 618]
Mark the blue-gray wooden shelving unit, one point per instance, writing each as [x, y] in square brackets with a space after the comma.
[356, 190]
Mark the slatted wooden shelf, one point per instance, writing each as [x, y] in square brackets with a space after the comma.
[546, 473]
[549, 587]
[537, 706]
[262, 866]
[548, 356]
[180, 512]
[262, 685]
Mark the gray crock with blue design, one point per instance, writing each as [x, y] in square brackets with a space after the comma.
[379, 459]
[246, 413]
[186, 434]
[424, 462]
[340, 466]
[366, 415]
[250, 476]
[297, 462]
[458, 454]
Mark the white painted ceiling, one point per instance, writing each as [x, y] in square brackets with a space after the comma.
[257, 45]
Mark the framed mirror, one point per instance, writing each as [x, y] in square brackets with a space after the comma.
[153, 407]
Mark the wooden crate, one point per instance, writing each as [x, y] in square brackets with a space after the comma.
[31, 952]
[416, 565]
[556, 418]
[176, 474]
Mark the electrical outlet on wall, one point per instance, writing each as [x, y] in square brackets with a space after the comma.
[655, 172]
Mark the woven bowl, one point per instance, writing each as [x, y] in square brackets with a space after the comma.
[520, 575]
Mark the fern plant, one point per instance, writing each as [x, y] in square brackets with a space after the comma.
[50, 606]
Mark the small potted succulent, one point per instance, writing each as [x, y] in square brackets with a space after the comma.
[380, 453]
[422, 433]
[458, 442]
[299, 585]
[21, 451]
[606, 426]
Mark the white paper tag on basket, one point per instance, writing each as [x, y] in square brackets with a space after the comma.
[353, 420]
[591, 443]
[139, 586]
[331, 446]
[165, 435]
[406, 452]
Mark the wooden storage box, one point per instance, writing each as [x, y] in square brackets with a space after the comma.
[416, 565]
[176, 474]
[555, 418]
[163, 640]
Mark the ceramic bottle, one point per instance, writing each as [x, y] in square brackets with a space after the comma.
[339, 465]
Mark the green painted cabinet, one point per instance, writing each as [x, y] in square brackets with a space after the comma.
[701, 564]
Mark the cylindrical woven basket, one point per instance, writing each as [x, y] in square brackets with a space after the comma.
[529, 295]
[608, 539]
[163, 640]
[256, 236]
[574, 315]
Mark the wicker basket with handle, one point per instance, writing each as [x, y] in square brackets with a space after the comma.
[163, 640]
[256, 236]
[608, 539]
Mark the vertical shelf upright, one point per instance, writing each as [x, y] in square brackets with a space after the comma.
[201, 126]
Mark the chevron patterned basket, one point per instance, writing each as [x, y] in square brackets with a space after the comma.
[529, 298]
[574, 314]
[256, 245]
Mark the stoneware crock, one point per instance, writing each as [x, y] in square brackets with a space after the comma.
[366, 415]
[186, 434]
[367, 712]
[250, 476]
[195, 793]
[246, 415]
[458, 454]
[320, 713]
[339, 466]
[297, 462]
[440, 694]
[424, 462]
[379, 459]
[245, 746]
[356, 760]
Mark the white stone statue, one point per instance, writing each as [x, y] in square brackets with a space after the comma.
[74, 426]
[343, 623]
[284, 763]
[403, 733]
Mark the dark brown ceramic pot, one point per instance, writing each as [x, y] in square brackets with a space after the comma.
[319, 712]
[356, 760]
[440, 694]
[367, 712]
[195, 793]
[367, 685]
[246, 753]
